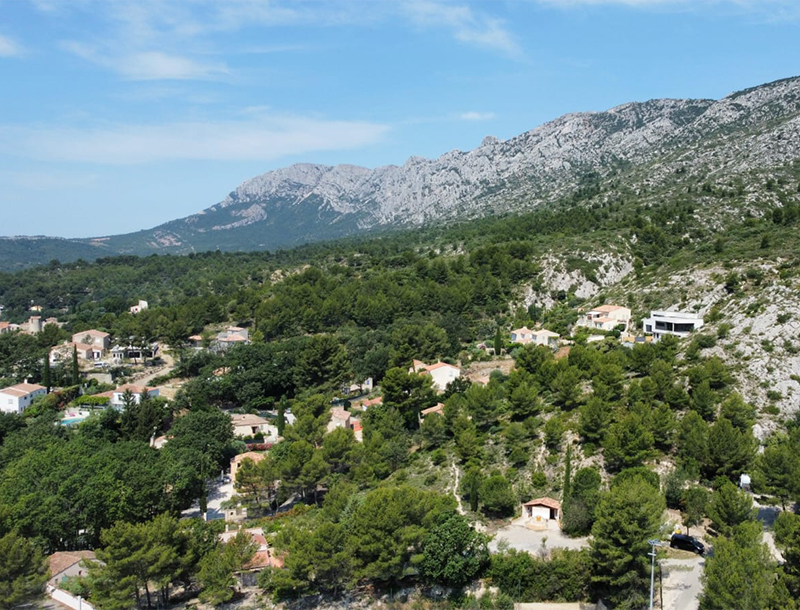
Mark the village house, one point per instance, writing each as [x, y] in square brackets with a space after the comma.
[5, 327]
[66, 564]
[541, 513]
[677, 323]
[441, 373]
[437, 409]
[117, 397]
[99, 341]
[363, 405]
[263, 559]
[526, 336]
[340, 418]
[140, 306]
[233, 335]
[236, 462]
[606, 317]
[247, 424]
[17, 398]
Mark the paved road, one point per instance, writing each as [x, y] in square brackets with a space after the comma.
[681, 584]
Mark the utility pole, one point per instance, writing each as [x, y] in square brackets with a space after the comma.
[653, 544]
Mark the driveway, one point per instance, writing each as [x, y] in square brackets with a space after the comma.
[218, 492]
[681, 583]
[536, 542]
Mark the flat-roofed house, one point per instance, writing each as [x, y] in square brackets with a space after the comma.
[677, 323]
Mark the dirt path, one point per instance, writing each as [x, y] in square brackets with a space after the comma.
[169, 364]
[456, 486]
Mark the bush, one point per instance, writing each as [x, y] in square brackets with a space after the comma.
[785, 525]
[438, 456]
[497, 497]
[564, 578]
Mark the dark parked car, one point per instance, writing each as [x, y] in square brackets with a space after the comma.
[687, 543]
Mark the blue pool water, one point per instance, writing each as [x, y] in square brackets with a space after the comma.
[72, 420]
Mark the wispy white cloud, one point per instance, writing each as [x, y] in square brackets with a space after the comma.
[9, 48]
[149, 65]
[258, 138]
[476, 116]
[465, 24]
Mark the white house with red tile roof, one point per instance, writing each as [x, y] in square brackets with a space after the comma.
[441, 372]
[17, 398]
[525, 336]
[606, 317]
[118, 395]
[541, 512]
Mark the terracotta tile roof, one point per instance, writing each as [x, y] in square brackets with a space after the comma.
[439, 408]
[523, 330]
[548, 502]
[340, 413]
[22, 389]
[135, 389]
[249, 455]
[545, 333]
[247, 419]
[439, 365]
[607, 308]
[65, 559]
[93, 333]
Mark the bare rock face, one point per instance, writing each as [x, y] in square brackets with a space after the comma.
[643, 143]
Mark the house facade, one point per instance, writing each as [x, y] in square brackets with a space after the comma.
[606, 317]
[677, 323]
[236, 462]
[17, 398]
[247, 424]
[441, 373]
[117, 398]
[140, 306]
[340, 418]
[541, 513]
[99, 341]
[526, 336]
[66, 564]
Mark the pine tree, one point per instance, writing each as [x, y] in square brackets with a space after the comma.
[46, 378]
[628, 516]
[281, 419]
[76, 371]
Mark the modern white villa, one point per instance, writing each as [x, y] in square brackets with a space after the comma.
[678, 323]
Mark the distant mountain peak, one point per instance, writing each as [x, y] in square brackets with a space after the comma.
[642, 144]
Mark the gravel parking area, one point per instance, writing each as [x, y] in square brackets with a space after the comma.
[520, 538]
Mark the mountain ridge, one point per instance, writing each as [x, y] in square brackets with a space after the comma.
[640, 144]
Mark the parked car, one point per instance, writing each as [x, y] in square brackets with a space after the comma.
[687, 543]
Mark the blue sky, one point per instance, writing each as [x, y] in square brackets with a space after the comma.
[120, 115]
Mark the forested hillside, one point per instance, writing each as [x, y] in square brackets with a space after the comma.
[616, 434]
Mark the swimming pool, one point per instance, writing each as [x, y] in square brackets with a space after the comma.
[72, 420]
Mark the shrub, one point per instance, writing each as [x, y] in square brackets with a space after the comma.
[564, 578]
